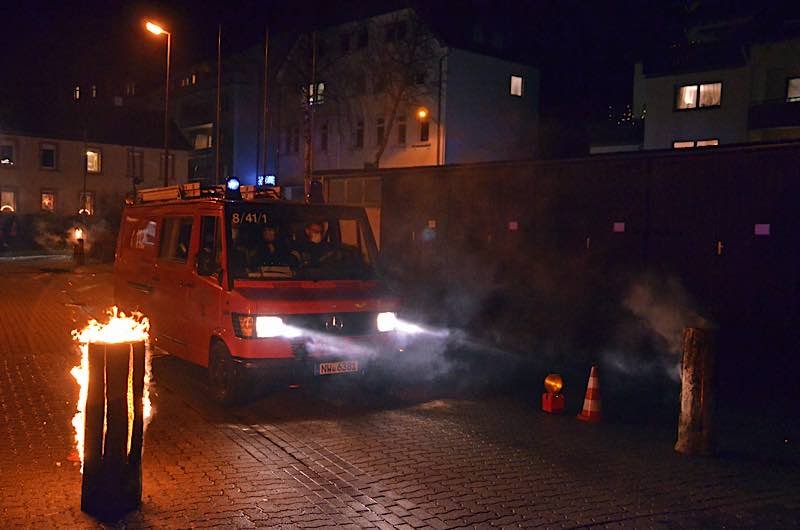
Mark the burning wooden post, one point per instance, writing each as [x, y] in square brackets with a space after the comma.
[695, 433]
[79, 247]
[112, 413]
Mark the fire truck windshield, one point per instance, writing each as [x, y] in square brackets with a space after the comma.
[302, 242]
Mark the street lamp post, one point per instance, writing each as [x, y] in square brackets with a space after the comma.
[158, 30]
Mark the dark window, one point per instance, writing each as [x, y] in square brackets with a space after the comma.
[287, 144]
[167, 163]
[49, 156]
[424, 130]
[296, 140]
[359, 135]
[175, 237]
[320, 48]
[395, 31]
[7, 155]
[344, 42]
[380, 130]
[86, 201]
[135, 165]
[363, 38]
[401, 130]
[419, 78]
[323, 138]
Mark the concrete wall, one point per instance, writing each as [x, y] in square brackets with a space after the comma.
[727, 123]
[544, 254]
[28, 179]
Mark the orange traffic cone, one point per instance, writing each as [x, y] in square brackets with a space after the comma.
[591, 405]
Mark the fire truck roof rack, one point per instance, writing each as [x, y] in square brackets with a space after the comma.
[193, 190]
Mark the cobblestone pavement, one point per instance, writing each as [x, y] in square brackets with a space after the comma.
[327, 456]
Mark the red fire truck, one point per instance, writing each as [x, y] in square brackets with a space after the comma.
[257, 289]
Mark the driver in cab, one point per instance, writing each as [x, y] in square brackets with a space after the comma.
[273, 251]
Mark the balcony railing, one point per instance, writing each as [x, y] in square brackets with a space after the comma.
[774, 113]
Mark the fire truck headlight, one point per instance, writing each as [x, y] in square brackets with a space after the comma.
[268, 327]
[386, 321]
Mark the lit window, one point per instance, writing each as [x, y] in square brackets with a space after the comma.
[698, 96]
[130, 88]
[203, 141]
[315, 97]
[684, 144]
[94, 91]
[76, 93]
[516, 85]
[8, 201]
[86, 201]
[94, 160]
[194, 78]
[793, 89]
[48, 201]
[48, 156]
[6, 154]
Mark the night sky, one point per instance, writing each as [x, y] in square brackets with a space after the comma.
[586, 50]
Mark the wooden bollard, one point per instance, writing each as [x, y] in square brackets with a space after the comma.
[79, 252]
[695, 429]
[112, 453]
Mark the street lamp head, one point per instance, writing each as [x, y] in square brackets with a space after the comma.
[154, 28]
[422, 113]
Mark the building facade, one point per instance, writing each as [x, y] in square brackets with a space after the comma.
[67, 177]
[388, 92]
[194, 94]
[721, 94]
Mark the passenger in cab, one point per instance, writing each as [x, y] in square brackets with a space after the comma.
[273, 251]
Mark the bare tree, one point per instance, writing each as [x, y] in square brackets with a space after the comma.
[402, 64]
[377, 69]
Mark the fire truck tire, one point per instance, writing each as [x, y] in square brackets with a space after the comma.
[227, 384]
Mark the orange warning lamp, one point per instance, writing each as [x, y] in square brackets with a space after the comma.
[552, 400]
[553, 383]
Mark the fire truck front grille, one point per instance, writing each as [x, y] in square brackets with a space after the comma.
[343, 324]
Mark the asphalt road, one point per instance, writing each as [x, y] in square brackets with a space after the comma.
[426, 455]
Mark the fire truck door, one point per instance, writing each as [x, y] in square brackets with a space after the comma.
[172, 281]
[205, 296]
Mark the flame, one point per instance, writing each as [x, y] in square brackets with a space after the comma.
[119, 328]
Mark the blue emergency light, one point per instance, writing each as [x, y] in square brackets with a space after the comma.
[232, 188]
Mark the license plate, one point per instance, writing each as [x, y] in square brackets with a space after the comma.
[340, 367]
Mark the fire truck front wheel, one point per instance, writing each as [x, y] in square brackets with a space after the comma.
[227, 382]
